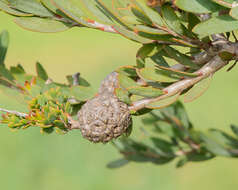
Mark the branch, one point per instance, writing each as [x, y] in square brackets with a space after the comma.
[210, 68]
[20, 114]
[97, 25]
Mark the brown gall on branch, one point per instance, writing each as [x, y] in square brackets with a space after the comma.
[104, 117]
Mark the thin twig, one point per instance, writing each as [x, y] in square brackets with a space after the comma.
[215, 63]
[211, 67]
[76, 79]
[20, 114]
[234, 36]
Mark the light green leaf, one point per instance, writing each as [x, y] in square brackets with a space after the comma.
[123, 95]
[31, 6]
[163, 103]
[132, 35]
[215, 25]
[180, 57]
[148, 92]
[125, 81]
[5, 73]
[197, 6]
[234, 12]
[41, 24]
[154, 16]
[234, 129]
[215, 147]
[4, 42]
[172, 19]
[153, 74]
[5, 7]
[41, 71]
[72, 8]
[82, 93]
[225, 3]
[117, 163]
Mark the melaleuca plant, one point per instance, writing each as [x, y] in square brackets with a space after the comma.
[183, 44]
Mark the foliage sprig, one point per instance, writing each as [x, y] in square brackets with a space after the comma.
[188, 41]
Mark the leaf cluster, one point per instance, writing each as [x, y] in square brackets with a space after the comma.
[168, 135]
[172, 34]
[49, 103]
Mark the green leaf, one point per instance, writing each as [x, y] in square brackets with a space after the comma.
[163, 147]
[41, 24]
[172, 19]
[125, 81]
[215, 25]
[4, 6]
[180, 57]
[47, 131]
[223, 138]
[198, 89]
[148, 92]
[193, 20]
[159, 59]
[182, 115]
[73, 9]
[163, 103]
[82, 93]
[199, 156]
[112, 13]
[215, 147]
[117, 163]
[225, 3]
[234, 129]
[132, 35]
[141, 15]
[5, 73]
[147, 50]
[197, 6]
[41, 71]
[17, 69]
[148, 30]
[4, 42]
[123, 95]
[182, 161]
[153, 74]
[177, 72]
[31, 6]
[129, 71]
[234, 12]
[93, 12]
[52, 7]
[154, 16]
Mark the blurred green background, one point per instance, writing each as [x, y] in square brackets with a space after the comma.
[29, 160]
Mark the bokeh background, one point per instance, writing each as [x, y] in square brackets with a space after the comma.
[29, 160]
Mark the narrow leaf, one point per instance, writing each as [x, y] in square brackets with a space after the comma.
[215, 25]
[4, 41]
[41, 71]
[36, 24]
[149, 92]
[197, 6]
[117, 163]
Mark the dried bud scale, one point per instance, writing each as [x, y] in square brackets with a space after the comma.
[104, 117]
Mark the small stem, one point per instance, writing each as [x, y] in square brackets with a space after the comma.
[211, 67]
[20, 114]
[76, 79]
[73, 123]
[234, 36]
